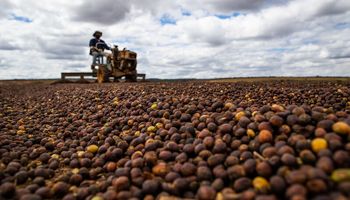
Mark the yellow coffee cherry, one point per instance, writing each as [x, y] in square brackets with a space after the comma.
[318, 144]
[92, 148]
[261, 184]
[341, 128]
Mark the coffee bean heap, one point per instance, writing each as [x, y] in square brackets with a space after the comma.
[197, 140]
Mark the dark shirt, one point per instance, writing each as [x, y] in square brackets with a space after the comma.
[98, 43]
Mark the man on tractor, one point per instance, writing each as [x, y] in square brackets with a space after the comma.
[97, 47]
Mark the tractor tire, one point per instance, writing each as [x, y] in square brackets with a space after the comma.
[102, 75]
[131, 78]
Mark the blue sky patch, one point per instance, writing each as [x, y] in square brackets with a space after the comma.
[121, 41]
[311, 41]
[342, 25]
[21, 18]
[185, 12]
[235, 14]
[279, 50]
[166, 19]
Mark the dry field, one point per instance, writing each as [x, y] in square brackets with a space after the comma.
[220, 139]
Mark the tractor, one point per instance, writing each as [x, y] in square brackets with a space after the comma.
[120, 64]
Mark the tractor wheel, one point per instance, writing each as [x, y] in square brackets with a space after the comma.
[131, 78]
[102, 74]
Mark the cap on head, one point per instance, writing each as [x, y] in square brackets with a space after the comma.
[97, 33]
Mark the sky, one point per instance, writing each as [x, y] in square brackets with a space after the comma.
[178, 38]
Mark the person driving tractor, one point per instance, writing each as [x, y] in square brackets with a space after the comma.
[97, 47]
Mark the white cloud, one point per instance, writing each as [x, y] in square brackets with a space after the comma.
[103, 12]
[274, 37]
[5, 6]
[229, 6]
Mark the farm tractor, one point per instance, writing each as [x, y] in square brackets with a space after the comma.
[119, 64]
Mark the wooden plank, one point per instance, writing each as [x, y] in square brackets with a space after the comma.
[78, 74]
[83, 74]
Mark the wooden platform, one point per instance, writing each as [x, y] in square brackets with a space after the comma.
[82, 75]
[76, 74]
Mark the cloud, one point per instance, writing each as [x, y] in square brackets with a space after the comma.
[330, 7]
[274, 21]
[5, 7]
[7, 45]
[114, 11]
[3, 63]
[343, 53]
[209, 30]
[343, 56]
[227, 6]
[102, 12]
